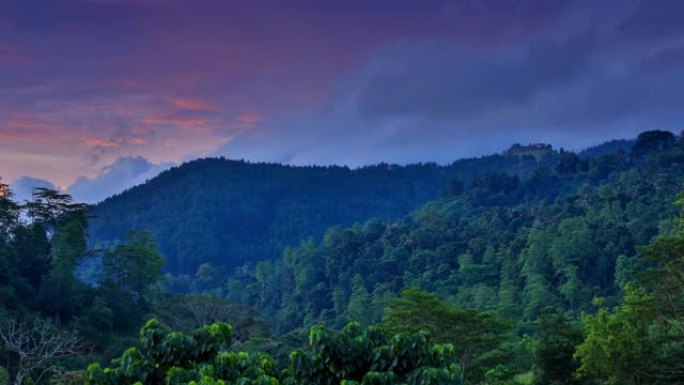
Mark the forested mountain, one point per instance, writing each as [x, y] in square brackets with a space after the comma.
[567, 270]
[607, 148]
[228, 212]
[560, 236]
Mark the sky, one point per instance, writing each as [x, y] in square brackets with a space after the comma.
[98, 95]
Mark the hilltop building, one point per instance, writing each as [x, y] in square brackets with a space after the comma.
[537, 150]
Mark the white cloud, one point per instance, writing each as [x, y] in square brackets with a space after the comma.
[23, 187]
[124, 173]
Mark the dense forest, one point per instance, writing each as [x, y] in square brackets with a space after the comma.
[514, 269]
[235, 212]
[560, 236]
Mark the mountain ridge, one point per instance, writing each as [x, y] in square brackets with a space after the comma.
[235, 211]
[257, 202]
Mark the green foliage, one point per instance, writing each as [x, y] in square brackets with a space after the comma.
[650, 141]
[510, 236]
[229, 212]
[619, 347]
[479, 339]
[549, 239]
[42, 244]
[353, 356]
[61, 290]
[663, 279]
[8, 209]
[499, 375]
[75, 377]
[359, 302]
[167, 357]
[610, 147]
[557, 337]
[642, 339]
[4, 376]
[419, 310]
[664, 275]
[134, 267]
[371, 356]
[187, 313]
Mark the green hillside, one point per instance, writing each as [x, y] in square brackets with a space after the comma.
[560, 237]
[233, 212]
[567, 270]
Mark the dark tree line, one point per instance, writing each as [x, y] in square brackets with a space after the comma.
[46, 313]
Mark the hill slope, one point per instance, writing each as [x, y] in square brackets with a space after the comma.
[558, 237]
[234, 212]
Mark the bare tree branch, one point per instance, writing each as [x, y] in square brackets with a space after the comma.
[191, 312]
[37, 344]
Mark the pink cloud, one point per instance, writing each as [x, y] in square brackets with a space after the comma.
[26, 129]
[251, 118]
[154, 76]
[27, 124]
[138, 141]
[8, 136]
[94, 142]
[195, 124]
[193, 104]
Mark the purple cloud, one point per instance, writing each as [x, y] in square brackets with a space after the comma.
[86, 82]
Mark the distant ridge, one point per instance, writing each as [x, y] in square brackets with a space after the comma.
[606, 148]
[232, 212]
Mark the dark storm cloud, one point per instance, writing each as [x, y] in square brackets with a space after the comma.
[571, 73]
[454, 84]
[655, 19]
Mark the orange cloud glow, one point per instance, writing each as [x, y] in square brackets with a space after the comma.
[185, 123]
[137, 141]
[25, 129]
[193, 104]
[94, 142]
[26, 124]
[7, 136]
